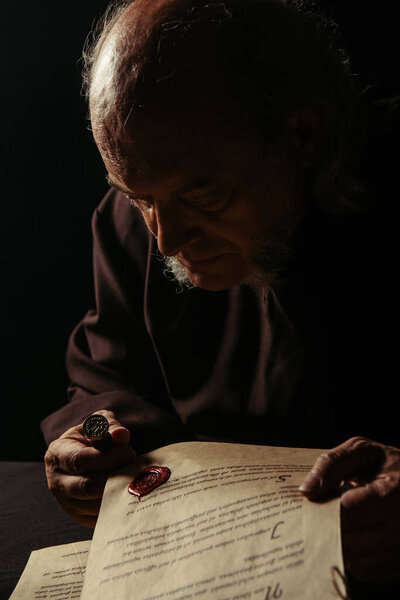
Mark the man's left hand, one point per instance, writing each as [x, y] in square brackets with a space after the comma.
[370, 508]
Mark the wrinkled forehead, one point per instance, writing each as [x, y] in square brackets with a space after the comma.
[171, 123]
[157, 142]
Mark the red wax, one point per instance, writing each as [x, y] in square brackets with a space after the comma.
[148, 480]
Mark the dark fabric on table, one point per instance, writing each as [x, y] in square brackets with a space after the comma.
[310, 362]
[30, 519]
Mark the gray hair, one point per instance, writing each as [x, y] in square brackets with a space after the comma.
[281, 56]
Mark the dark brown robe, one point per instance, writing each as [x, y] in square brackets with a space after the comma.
[308, 363]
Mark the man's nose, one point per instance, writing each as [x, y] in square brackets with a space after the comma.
[176, 227]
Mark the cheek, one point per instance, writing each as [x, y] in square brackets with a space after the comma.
[242, 221]
[150, 220]
[261, 210]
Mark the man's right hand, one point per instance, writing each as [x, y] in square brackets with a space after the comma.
[77, 472]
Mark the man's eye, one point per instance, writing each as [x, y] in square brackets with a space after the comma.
[211, 201]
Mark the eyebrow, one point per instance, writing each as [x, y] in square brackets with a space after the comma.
[196, 184]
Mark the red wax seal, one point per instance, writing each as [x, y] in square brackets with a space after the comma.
[148, 480]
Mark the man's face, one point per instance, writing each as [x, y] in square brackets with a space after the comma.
[221, 206]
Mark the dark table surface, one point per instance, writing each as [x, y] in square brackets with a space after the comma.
[30, 519]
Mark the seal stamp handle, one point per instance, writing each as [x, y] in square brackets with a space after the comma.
[95, 427]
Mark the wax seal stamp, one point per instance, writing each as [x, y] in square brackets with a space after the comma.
[95, 427]
[148, 480]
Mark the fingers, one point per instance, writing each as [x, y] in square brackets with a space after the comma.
[79, 496]
[119, 433]
[370, 522]
[69, 455]
[73, 453]
[83, 512]
[370, 515]
[86, 487]
[357, 457]
[77, 472]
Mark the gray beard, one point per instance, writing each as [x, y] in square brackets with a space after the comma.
[176, 271]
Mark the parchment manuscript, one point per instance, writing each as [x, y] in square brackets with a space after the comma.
[229, 524]
[56, 572]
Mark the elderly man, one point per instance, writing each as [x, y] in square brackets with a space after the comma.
[234, 301]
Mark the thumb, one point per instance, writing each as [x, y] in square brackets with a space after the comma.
[119, 433]
[357, 457]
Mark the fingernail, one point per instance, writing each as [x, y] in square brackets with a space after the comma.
[312, 482]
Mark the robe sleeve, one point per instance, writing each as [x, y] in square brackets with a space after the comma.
[111, 361]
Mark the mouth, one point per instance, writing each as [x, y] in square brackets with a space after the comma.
[199, 263]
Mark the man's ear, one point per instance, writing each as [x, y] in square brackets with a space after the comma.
[302, 129]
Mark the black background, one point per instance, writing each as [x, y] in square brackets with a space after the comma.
[52, 178]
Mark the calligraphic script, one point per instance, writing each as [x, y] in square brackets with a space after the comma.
[228, 524]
